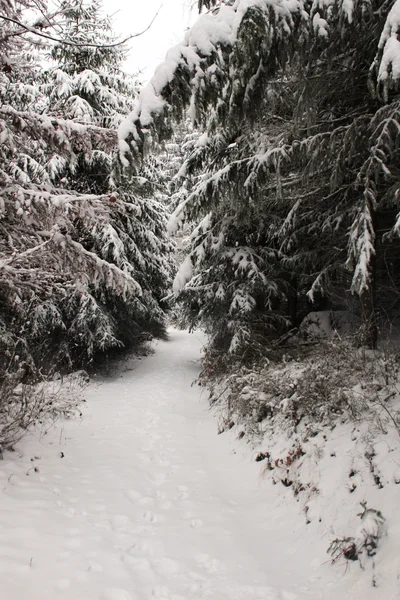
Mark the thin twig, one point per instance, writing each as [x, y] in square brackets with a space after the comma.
[76, 44]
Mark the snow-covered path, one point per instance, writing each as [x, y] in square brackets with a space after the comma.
[141, 500]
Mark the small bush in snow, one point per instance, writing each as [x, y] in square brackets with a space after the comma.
[370, 531]
[23, 406]
[366, 540]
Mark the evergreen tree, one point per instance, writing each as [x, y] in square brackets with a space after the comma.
[87, 83]
[83, 263]
[289, 162]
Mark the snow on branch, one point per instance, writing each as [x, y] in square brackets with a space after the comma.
[67, 255]
[200, 72]
[362, 248]
[60, 133]
[386, 66]
[180, 78]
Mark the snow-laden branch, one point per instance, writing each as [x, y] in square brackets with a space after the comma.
[209, 39]
[21, 255]
[202, 59]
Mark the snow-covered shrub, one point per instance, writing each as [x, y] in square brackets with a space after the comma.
[285, 394]
[325, 324]
[312, 387]
[23, 406]
[370, 531]
[343, 548]
[365, 543]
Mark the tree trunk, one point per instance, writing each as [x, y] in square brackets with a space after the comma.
[369, 330]
[292, 301]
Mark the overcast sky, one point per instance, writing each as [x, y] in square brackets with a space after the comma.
[148, 50]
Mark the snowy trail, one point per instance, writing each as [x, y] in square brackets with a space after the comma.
[148, 502]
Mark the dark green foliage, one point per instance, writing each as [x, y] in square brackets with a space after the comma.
[297, 166]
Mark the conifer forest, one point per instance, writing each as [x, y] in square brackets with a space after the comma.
[249, 191]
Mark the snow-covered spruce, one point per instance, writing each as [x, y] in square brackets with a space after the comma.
[83, 253]
[288, 164]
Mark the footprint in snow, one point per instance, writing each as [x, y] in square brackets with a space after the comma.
[73, 543]
[196, 523]
[158, 478]
[117, 594]
[196, 576]
[142, 566]
[103, 525]
[63, 584]
[183, 492]
[160, 592]
[186, 516]
[166, 567]
[287, 596]
[95, 567]
[195, 588]
[144, 458]
[133, 495]
[82, 577]
[99, 507]
[149, 516]
[210, 565]
[144, 546]
[148, 448]
[120, 522]
[145, 500]
[249, 591]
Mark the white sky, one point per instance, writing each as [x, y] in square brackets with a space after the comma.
[148, 50]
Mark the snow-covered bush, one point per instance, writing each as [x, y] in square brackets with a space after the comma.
[304, 388]
[365, 543]
[24, 406]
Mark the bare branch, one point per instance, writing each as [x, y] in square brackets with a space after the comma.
[29, 29]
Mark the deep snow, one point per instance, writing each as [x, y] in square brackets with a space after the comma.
[142, 500]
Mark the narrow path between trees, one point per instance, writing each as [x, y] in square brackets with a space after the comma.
[142, 500]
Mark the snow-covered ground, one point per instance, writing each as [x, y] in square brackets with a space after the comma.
[142, 500]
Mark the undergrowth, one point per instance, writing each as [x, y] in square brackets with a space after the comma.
[288, 404]
[24, 406]
[310, 387]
